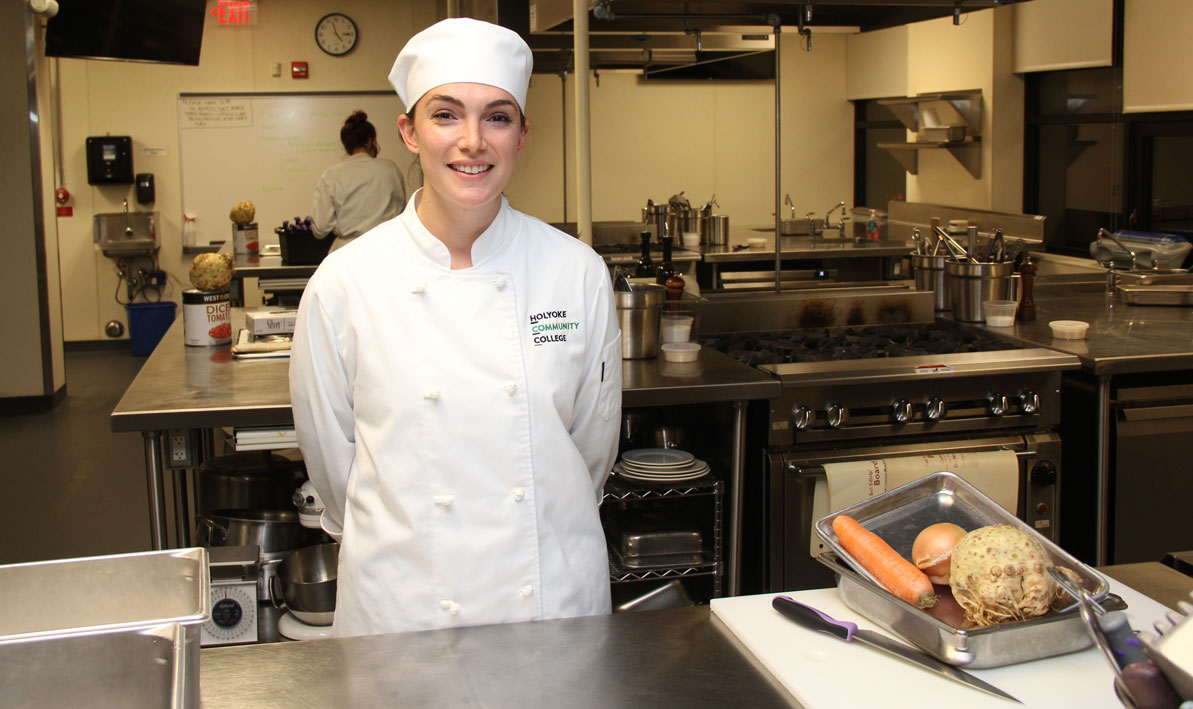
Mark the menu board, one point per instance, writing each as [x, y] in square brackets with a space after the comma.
[271, 149]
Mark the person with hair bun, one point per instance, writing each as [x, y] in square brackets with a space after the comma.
[359, 192]
[455, 373]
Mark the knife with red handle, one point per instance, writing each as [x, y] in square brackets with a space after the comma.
[812, 619]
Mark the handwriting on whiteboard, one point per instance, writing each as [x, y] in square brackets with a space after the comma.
[215, 112]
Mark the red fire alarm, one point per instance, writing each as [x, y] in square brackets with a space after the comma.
[298, 70]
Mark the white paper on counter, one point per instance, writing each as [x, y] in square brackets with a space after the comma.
[821, 670]
[995, 473]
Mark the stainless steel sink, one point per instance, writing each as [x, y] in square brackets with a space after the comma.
[792, 227]
[126, 234]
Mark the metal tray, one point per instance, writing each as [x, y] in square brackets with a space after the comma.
[897, 516]
[1156, 295]
[154, 667]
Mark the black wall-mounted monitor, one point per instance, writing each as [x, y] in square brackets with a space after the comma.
[165, 31]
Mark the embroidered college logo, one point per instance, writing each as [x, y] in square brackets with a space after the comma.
[551, 326]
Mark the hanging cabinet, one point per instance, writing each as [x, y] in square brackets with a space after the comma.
[943, 121]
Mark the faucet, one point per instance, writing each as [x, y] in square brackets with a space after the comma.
[789, 203]
[829, 213]
[128, 227]
[1111, 278]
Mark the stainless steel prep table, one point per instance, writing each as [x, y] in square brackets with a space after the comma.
[198, 388]
[1122, 339]
[254, 273]
[677, 657]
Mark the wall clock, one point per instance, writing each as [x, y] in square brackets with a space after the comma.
[336, 34]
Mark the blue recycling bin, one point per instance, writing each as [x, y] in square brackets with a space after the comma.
[147, 322]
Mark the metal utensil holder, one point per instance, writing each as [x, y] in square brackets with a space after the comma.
[930, 276]
[971, 284]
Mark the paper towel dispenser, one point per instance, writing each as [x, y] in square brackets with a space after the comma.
[110, 160]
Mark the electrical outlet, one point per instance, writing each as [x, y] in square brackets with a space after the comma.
[179, 451]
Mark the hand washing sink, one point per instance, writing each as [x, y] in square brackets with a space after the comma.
[126, 234]
[792, 227]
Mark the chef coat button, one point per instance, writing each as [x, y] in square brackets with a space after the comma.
[500, 283]
[419, 289]
[527, 591]
[444, 500]
[431, 394]
[511, 389]
[450, 606]
[519, 494]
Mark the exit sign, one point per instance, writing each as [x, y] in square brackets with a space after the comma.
[235, 12]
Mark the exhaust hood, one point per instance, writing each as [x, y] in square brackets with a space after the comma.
[706, 39]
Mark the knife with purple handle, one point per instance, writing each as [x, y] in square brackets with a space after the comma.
[812, 619]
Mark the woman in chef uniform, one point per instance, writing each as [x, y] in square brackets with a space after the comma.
[456, 373]
[359, 192]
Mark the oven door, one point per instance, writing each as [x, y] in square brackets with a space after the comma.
[793, 476]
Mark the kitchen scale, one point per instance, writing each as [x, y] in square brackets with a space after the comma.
[233, 596]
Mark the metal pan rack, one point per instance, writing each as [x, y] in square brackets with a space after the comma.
[624, 494]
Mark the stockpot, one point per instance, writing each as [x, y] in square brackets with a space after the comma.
[271, 530]
[256, 480]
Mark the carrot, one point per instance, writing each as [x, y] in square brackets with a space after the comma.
[898, 575]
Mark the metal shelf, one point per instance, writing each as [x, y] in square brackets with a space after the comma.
[926, 111]
[627, 492]
[620, 574]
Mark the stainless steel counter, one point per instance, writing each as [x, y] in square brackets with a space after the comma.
[831, 246]
[198, 388]
[268, 266]
[1122, 339]
[678, 657]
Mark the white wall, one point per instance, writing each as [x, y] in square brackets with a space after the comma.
[649, 140]
[977, 54]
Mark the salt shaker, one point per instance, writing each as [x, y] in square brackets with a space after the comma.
[1027, 306]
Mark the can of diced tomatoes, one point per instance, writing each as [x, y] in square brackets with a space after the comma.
[206, 317]
[244, 238]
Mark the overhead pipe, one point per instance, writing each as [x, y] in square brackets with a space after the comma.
[776, 23]
[583, 137]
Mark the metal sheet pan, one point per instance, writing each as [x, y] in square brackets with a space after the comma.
[898, 516]
[1156, 295]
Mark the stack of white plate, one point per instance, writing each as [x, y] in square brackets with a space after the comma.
[660, 465]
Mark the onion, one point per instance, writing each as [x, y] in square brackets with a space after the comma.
[933, 550]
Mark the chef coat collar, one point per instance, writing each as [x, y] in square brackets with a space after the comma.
[491, 241]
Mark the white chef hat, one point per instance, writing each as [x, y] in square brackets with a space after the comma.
[462, 50]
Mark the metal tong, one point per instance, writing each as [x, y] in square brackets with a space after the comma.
[956, 250]
[1137, 681]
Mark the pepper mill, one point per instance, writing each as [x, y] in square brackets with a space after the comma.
[1027, 306]
[675, 285]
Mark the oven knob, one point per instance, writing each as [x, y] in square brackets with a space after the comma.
[838, 416]
[935, 409]
[1029, 402]
[802, 417]
[1043, 473]
[998, 404]
[902, 410]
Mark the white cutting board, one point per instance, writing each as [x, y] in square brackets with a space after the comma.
[823, 671]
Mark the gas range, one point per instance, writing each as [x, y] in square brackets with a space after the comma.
[880, 365]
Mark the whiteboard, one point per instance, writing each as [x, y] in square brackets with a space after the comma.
[270, 149]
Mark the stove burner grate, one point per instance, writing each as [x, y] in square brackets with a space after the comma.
[758, 348]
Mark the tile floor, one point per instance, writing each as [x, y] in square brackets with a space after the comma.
[71, 486]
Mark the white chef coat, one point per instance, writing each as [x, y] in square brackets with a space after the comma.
[355, 195]
[460, 424]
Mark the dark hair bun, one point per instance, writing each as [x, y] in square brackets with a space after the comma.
[357, 117]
